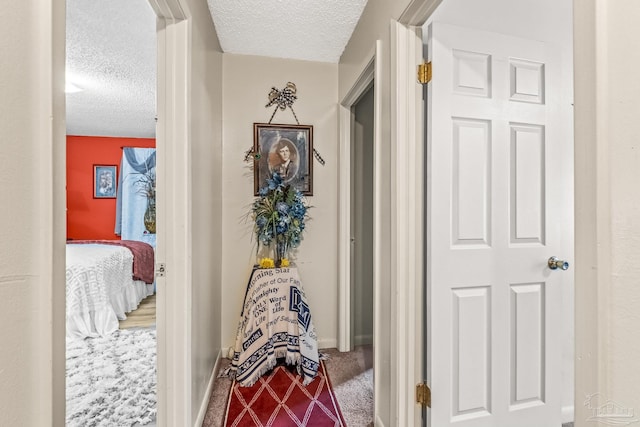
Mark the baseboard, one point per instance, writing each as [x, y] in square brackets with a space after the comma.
[227, 352]
[363, 339]
[568, 414]
[207, 394]
[379, 422]
[327, 343]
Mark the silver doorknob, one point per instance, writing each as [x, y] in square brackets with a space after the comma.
[555, 263]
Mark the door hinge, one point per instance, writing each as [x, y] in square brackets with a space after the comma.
[423, 395]
[160, 269]
[424, 73]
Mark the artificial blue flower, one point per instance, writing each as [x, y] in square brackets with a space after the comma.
[282, 207]
[279, 213]
[298, 210]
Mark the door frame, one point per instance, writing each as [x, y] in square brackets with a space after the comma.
[173, 320]
[589, 251]
[370, 74]
[344, 205]
[408, 218]
[406, 262]
[172, 145]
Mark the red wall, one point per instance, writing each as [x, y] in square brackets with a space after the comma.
[89, 218]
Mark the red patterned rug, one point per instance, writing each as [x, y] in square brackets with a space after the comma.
[280, 400]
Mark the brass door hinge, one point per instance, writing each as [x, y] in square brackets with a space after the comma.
[423, 395]
[424, 73]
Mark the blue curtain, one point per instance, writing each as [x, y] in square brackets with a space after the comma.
[131, 203]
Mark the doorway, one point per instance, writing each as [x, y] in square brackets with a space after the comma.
[362, 220]
[489, 157]
[111, 344]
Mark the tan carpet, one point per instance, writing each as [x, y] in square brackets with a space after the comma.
[349, 374]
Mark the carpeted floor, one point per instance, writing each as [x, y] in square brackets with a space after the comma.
[350, 374]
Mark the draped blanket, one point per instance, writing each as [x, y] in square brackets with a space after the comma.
[100, 289]
[143, 256]
[275, 323]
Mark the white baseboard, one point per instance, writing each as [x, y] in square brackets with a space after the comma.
[227, 352]
[327, 343]
[363, 339]
[379, 422]
[568, 414]
[207, 394]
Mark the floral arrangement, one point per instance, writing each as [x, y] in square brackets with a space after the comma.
[147, 188]
[147, 184]
[279, 215]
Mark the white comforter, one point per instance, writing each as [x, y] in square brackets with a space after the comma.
[100, 289]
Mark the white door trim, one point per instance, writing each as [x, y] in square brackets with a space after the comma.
[344, 221]
[407, 180]
[174, 242]
[418, 11]
[408, 272]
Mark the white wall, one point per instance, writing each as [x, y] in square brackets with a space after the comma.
[205, 132]
[550, 21]
[247, 81]
[32, 147]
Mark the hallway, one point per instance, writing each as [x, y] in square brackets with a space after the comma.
[351, 375]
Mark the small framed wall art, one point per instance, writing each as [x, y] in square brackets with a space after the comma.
[104, 181]
[287, 150]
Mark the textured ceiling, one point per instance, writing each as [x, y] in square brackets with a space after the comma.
[314, 30]
[111, 51]
[111, 56]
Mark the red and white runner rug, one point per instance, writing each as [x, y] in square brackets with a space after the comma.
[280, 400]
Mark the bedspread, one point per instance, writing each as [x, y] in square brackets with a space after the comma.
[100, 289]
[143, 256]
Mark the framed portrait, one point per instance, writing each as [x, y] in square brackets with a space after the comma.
[286, 149]
[104, 181]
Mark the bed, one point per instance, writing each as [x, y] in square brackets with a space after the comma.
[105, 279]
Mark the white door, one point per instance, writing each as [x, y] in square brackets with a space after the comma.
[496, 196]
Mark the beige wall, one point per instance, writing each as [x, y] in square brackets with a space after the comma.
[607, 204]
[621, 140]
[32, 189]
[205, 129]
[375, 25]
[246, 82]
